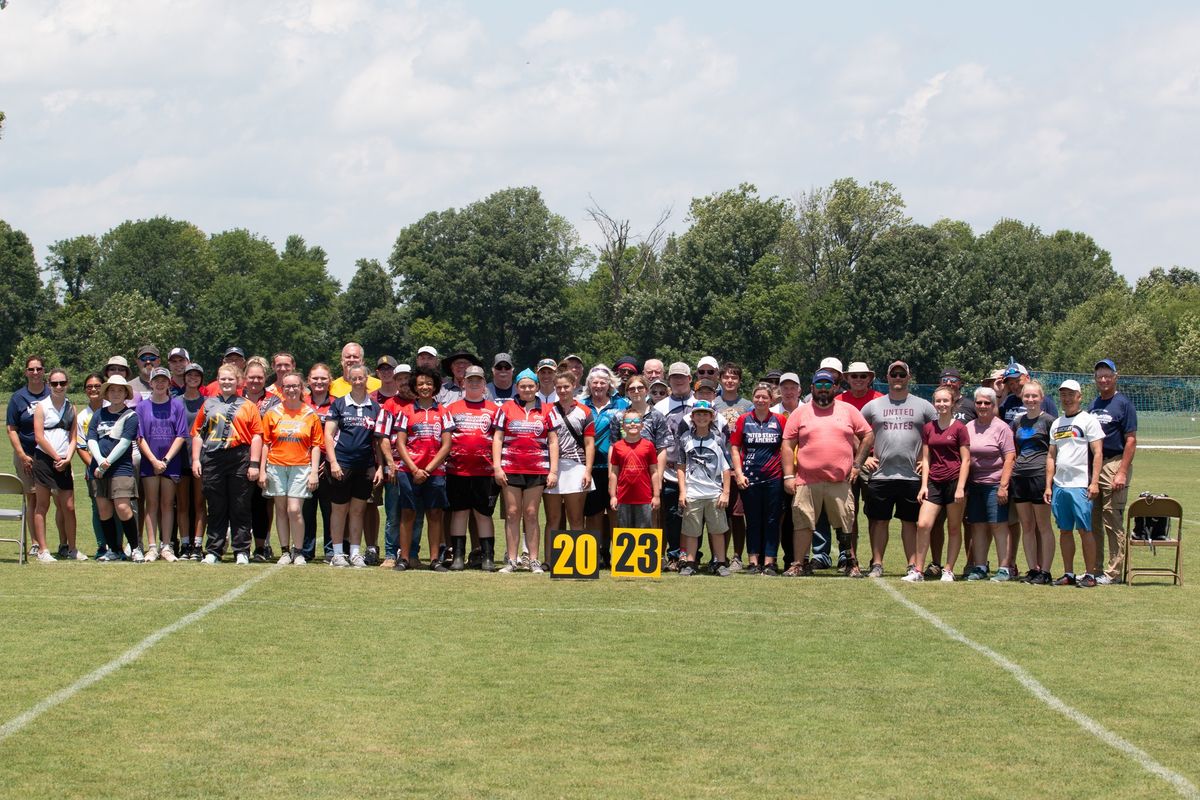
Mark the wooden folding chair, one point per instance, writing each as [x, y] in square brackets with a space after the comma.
[11, 484]
[1154, 507]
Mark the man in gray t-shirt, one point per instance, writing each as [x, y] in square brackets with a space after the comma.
[892, 480]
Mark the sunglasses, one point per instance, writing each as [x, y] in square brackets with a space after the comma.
[92, 387]
[857, 376]
[148, 359]
[897, 374]
[502, 367]
[823, 385]
[706, 372]
[946, 381]
[58, 384]
[633, 421]
[35, 369]
[659, 392]
[983, 402]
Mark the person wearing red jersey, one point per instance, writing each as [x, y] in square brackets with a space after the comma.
[293, 435]
[635, 473]
[422, 442]
[226, 449]
[320, 401]
[576, 451]
[525, 462]
[470, 487]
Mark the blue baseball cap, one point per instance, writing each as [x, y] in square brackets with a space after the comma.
[1105, 362]
[703, 405]
[824, 375]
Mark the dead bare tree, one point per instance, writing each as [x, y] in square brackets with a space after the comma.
[627, 258]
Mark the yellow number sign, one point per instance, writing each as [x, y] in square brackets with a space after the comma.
[573, 554]
[637, 553]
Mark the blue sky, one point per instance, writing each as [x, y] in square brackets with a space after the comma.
[346, 121]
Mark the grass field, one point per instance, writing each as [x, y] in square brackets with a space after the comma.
[323, 683]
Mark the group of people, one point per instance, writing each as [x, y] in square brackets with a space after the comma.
[181, 469]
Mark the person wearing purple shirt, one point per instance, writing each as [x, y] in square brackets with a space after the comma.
[162, 433]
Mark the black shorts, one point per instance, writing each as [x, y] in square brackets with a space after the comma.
[472, 493]
[597, 500]
[44, 474]
[941, 493]
[519, 480]
[356, 483]
[1025, 489]
[898, 498]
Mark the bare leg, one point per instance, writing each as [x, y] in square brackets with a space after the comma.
[1066, 541]
[531, 498]
[879, 539]
[954, 515]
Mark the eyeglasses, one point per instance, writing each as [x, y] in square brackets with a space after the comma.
[57, 384]
[823, 385]
[897, 374]
[858, 376]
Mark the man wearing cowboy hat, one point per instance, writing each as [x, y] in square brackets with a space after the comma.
[454, 372]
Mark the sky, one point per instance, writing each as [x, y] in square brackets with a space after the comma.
[346, 121]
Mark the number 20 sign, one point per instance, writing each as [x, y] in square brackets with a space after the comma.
[637, 553]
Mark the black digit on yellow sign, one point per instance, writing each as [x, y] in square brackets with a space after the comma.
[637, 553]
[573, 554]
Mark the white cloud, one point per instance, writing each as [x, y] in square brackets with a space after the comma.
[564, 26]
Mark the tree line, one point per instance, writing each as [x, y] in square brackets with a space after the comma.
[768, 282]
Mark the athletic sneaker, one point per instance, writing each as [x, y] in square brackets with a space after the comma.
[735, 564]
[510, 566]
[855, 571]
[908, 570]
[933, 572]
[358, 561]
[876, 571]
[913, 577]
[792, 572]
[259, 557]
[34, 550]
[475, 559]
[1003, 574]
[107, 556]
[388, 563]
[687, 568]
[63, 551]
[152, 554]
[1067, 579]
[168, 554]
[1104, 580]
[536, 567]
[137, 556]
[770, 570]
[210, 558]
[1042, 579]
[372, 557]
[978, 573]
[45, 557]
[398, 564]
[299, 560]
[339, 560]
[523, 562]
[819, 562]
[722, 570]
[242, 559]
[947, 576]
[1086, 582]
[750, 569]
[100, 553]
[1028, 576]
[285, 559]
[77, 555]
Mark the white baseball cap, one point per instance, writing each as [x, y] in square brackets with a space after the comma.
[832, 363]
[708, 361]
[1071, 384]
[790, 376]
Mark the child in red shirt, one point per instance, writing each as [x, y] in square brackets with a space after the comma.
[635, 471]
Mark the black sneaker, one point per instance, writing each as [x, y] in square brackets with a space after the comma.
[752, 569]
[439, 566]
[64, 552]
[687, 568]
[770, 571]
[1086, 582]
[400, 566]
[1066, 580]
[259, 557]
[1042, 579]
[268, 552]
[372, 556]
[933, 572]
[1028, 577]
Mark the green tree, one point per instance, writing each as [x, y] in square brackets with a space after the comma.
[164, 260]
[1187, 348]
[497, 271]
[1070, 344]
[72, 261]
[22, 296]
[836, 224]
[1174, 278]
[367, 312]
[1131, 343]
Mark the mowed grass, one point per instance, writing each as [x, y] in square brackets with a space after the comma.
[337, 683]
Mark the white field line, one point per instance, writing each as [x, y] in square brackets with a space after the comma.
[17, 723]
[1182, 785]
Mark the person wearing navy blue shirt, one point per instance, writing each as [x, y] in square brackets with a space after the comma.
[1118, 419]
[20, 428]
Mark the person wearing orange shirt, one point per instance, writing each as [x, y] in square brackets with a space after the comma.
[226, 452]
[293, 435]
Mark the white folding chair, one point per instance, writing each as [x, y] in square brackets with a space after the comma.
[11, 484]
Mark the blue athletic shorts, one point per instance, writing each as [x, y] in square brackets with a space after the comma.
[1071, 508]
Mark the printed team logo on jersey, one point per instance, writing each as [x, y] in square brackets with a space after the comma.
[467, 421]
[535, 426]
[1071, 432]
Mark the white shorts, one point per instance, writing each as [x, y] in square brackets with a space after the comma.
[285, 481]
[570, 477]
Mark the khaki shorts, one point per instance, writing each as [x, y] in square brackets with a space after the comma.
[700, 513]
[835, 499]
[113, 487]
[25, 478]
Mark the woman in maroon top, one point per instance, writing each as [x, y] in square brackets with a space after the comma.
[945, 462]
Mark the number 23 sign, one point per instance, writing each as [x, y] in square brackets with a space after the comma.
[636, 553]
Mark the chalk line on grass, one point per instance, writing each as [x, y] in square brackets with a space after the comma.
[1182, 785]
[17, 723]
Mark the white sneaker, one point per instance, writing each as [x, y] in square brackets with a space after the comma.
[168, 554]
[152, 554]
[947, 575]
[286, 558]
[77, 555]
[509, 567]
[137, 556]
[242, 558]
[45, 557]
[535, 567]
[913, 577]
[299, 561]
[357, 561]
[128, 551]
[735, 564]
[339, 560]
[34, 550]
[1105, 580]
[210, 558]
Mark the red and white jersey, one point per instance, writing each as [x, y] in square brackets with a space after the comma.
[526, 448]
[470, 425]
[423, 428]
